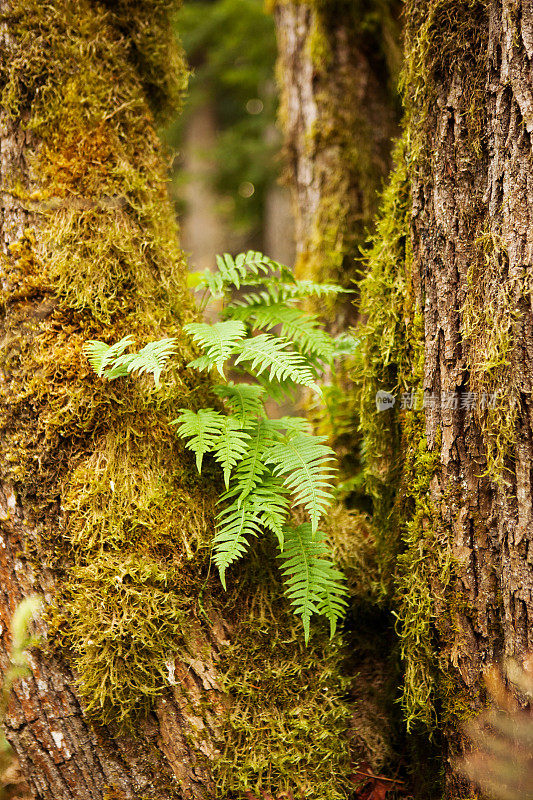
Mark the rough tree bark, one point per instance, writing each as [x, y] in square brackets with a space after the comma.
[100, 508]
[448, 300]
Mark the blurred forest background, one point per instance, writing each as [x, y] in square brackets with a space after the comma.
[226, 145]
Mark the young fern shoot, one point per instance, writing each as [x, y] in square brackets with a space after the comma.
[270, 466]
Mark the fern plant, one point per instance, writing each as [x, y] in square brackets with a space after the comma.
[270, 465]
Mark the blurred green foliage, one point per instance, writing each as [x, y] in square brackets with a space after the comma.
[231, 49]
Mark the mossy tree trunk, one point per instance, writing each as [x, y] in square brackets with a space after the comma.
[337, 71]
[449, 314]
[101, 510]
[89, 250]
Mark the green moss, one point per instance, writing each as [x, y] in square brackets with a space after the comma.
[491, 314]
[444, 36]
[388, 358]
[415, 565]
[100, 260]
[284, 695]
[126, 617]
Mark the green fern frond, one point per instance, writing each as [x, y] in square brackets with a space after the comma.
[251, 470]
[291, 425]
[230, 445]
[246, 269]
[269, 465]
[218, 341]
[201, 428]
[302, 289]
[268, 352]
[285, 289]
[207, 281]
[151, 359]
[306, 466]
[312, 584]
[235, 525]
[270, 502]
[101, 355]
[344, 345]
[297, 326]
[245, 399]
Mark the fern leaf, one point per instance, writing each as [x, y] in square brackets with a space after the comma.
[218, 341]
[270, 503]
[251, 470]
[201, 428]
[270, 352]
[301, 289]
[101, 355]
[286, 289]
[247, 268]
[306, 466]
[207, 280]
[291, 425]
[152, 358]
[235, 525]
[230, 445]
[345, 344]
[312, 584]
[297, 326]
[245, 399]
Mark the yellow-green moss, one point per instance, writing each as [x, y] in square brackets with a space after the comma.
[416, 569]
[101, 260]
[491, 313]
[444, 37]
[388, 357]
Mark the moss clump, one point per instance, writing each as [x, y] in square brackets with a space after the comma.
[493, 309]
[126, 616]
[444, 37]
[284, 695]
[99, 260]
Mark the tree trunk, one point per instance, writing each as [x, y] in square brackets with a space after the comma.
[153, 683]
[337, 70]
[448, 305]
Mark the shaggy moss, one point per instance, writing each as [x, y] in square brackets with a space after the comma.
[444, 37]
[416, 570]
[99, 260]
[389, 356]
[492, 312]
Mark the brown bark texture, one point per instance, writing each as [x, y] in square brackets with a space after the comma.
[469, 96]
